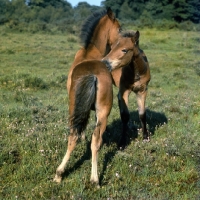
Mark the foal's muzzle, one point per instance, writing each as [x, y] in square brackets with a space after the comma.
[108, 64]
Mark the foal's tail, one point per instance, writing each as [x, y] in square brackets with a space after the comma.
[85, 96]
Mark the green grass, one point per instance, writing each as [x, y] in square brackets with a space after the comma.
[34, 112]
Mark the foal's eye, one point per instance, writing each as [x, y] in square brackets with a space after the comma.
[124, 50]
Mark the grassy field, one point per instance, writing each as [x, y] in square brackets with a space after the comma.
[33, 124]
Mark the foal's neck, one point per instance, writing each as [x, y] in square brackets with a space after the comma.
[100, 39]
[139, 63]
[100, 44]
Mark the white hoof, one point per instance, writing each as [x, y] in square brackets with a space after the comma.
[57, 179]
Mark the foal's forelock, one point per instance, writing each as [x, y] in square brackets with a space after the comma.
[128, 34]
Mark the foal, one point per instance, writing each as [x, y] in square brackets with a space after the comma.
[133, 76]
[91, 89]
[89, 85]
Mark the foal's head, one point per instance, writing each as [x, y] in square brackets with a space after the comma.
[101, 28]
[123, 51]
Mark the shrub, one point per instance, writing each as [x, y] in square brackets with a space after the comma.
[187, 26]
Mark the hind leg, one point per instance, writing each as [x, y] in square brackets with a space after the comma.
[61, 168]
[72, 139]
[95, 146]
[124, 113]
[103, 105]
[103, 108]
[141, 97]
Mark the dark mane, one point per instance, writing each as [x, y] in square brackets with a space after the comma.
[128, 34]
[89, 26]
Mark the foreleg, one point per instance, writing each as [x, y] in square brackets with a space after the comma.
[141, 98]
[124, 113]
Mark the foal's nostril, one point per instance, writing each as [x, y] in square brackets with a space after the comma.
[108, 64]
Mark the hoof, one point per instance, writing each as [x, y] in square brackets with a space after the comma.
[122, 145]
[57, 179]
[95, 182]
[146, 140]
[83, 136]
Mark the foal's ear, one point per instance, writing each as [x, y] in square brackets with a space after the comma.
[110, 13]
[136, 36]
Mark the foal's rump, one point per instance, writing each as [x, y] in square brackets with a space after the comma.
[91, 89]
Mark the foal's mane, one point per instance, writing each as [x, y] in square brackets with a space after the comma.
[89, 25]
[129, 34]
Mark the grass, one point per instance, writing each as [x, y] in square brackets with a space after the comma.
[34, 111]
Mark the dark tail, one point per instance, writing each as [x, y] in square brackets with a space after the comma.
[85, 96]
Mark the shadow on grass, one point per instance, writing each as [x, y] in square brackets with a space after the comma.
[113, 135]
[85, 156]
[113, 132]
[154, 121]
